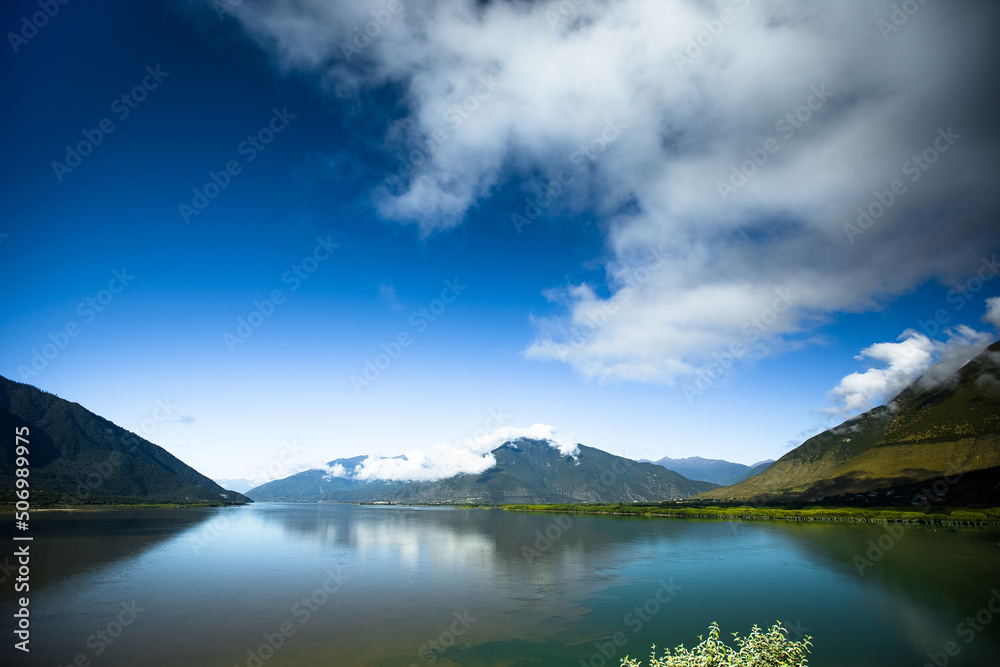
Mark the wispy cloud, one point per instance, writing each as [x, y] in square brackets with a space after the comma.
[992, 315]
[388, 294]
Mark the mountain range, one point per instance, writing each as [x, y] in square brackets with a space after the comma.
[526, 471]
[933, 428]
[716, 471]
[76, 457]
[943, 430]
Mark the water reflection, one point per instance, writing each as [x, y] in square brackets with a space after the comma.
[215, 583]
[67, 543]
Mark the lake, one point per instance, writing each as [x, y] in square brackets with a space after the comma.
[326, 584]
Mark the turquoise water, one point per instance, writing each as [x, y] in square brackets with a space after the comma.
[322, 584]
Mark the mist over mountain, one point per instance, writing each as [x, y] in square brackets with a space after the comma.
[526, 471]
[941, 425]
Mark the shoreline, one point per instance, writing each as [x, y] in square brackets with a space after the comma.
[970, 517]
[122, 506]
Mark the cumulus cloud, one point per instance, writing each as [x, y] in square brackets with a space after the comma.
[744, 153]
[336, 470]
[899, 364]
[992, 315]
[470, 457]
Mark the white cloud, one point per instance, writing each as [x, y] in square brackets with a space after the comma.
[560, 71]
[336, 470]
[993, 312]
[388, 294]
[470, 457]
[901, 363]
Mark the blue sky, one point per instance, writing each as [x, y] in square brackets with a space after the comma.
[651, 257]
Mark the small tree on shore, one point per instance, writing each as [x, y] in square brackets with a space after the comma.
[758, 649]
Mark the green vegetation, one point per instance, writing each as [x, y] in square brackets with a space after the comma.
[932, 515]
[48, 500]
[929, 430]
[759, 649]
[77, 457]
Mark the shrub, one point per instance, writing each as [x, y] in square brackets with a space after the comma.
[759, 649]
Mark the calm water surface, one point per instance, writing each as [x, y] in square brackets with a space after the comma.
[403, 587]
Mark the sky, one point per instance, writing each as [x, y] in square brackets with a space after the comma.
[266, 235]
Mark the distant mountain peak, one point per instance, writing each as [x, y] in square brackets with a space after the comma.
[716, 471]
[526, 470]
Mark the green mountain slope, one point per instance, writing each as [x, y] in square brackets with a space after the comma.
[75, 455]
[527, 471]
[928, 430]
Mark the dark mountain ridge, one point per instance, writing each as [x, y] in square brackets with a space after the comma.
[76, 455]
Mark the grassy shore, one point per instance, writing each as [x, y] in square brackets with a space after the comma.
[56, 502]
[966, 516]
